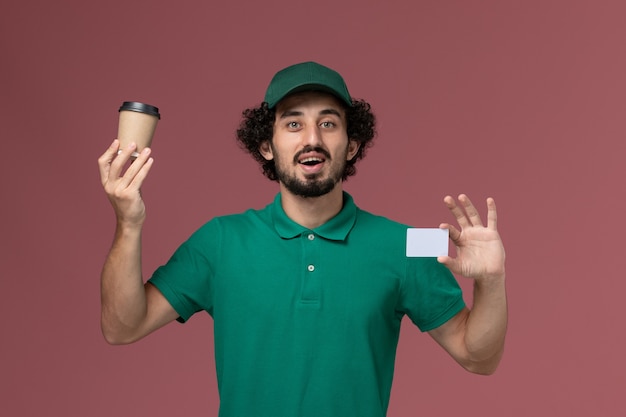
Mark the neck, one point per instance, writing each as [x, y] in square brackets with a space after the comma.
[312, 212]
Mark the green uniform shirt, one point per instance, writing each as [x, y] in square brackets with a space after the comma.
[306, 322]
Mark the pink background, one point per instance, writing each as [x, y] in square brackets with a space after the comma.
[522, 101]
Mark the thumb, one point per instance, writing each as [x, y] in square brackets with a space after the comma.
[451, 263]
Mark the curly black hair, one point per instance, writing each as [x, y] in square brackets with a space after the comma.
[257, 126]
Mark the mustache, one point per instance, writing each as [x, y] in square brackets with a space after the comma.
[309, 148]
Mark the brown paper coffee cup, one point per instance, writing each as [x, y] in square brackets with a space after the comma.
[137, 124]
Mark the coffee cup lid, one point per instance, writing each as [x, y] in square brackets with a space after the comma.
[140, 108]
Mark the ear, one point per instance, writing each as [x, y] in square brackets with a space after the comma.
[266, 150]
[353, 148]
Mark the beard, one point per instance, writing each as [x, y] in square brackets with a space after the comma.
[310, 187]
[313, 185]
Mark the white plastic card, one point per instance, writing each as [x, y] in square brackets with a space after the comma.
[426, 242]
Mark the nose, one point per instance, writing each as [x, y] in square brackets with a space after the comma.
[313, 135]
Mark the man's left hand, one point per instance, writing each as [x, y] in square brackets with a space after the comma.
[479, 249]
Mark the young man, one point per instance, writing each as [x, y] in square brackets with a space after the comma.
[306, 304]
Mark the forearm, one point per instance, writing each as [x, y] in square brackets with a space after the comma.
[122, 288]
[487, 324]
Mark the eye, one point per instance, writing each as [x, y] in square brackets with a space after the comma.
[293, 125]
[327, 124]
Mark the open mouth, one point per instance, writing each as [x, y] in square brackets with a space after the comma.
[311, 161]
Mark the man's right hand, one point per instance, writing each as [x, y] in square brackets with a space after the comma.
[130, 308]
[123, 188]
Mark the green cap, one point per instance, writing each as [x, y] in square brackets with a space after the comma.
[306, 76]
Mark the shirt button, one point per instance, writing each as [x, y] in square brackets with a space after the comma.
[311, 236]
[311, 268]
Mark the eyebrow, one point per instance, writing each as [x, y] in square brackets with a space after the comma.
[290, 113]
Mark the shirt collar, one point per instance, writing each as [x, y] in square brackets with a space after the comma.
[337, 228]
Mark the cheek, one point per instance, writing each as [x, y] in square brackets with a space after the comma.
[286, 149]
[280, 155]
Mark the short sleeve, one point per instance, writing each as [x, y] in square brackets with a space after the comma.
[429, 295]
[185, 280]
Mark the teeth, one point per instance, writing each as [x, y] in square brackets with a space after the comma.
[305, 160]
